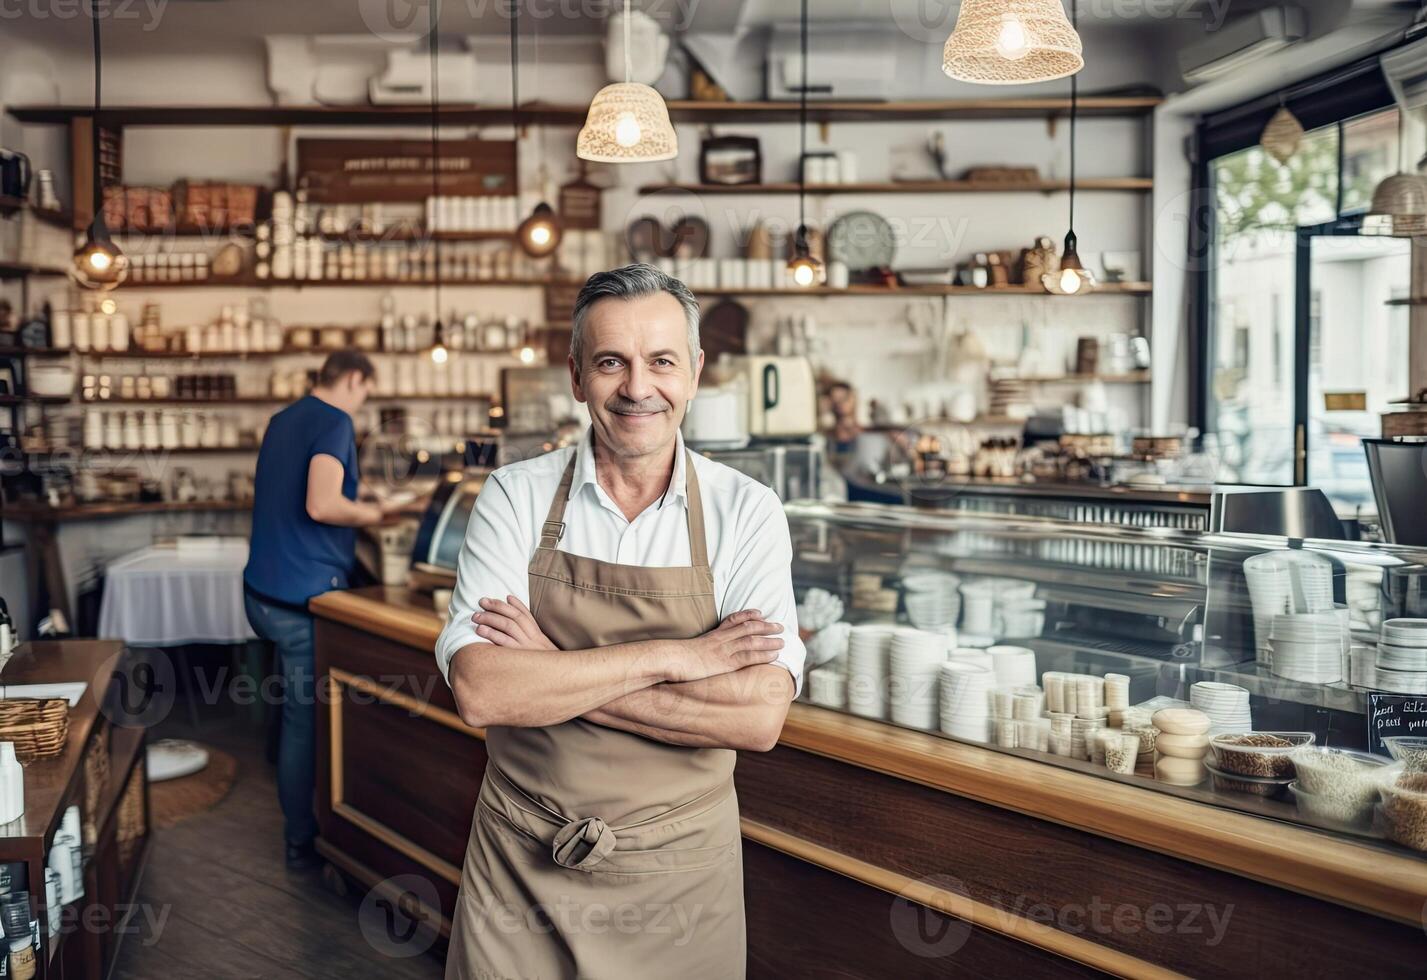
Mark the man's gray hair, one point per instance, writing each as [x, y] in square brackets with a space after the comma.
[632, 282]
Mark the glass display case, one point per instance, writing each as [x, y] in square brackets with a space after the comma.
[1262, 674]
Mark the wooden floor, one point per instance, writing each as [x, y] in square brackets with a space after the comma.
[232, 908]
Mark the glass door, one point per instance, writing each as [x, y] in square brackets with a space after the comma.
[1352, 361]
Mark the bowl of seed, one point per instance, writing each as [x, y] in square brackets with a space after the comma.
[1264, 755]
[1410, 750]
[1343, 777]
[1331, 810]
[1404, 810]
[1231, 782]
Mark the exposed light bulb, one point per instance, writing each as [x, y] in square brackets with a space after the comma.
[99, 261]
[1070, 281]
[438, 354]
[626, 130]
[108, 306]
[527, 355]
[540, 234]
[803, 274]
[1013, 42]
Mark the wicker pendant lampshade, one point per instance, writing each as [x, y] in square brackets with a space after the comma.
[628, 122]
[1011, 42]
[1399, 202]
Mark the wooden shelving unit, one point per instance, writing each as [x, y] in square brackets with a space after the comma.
[255, 283]
[9, 205]
[1135, 184]
[1107, 289]
[549, 114]
[28, 512]
[16, 270]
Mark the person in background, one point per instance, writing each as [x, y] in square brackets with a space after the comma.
[305, 516]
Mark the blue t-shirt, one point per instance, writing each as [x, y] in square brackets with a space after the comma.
[292, 557]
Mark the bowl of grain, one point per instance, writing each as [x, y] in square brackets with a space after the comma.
[1232, 782]
[1404, 810]
[1263, 755]
[1347, 775]
[1333, 810]
[1410, 750]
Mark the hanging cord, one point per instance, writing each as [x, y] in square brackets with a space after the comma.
[802, 235]
[435, 147]
[94, 137]
[1074, 25]
[515, 88]
[628, 58]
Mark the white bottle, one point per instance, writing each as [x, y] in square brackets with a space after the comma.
[12, 784]
[119, 332]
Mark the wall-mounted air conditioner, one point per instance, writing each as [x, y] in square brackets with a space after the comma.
[1241, 41]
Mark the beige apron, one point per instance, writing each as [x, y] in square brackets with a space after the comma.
[594, 852]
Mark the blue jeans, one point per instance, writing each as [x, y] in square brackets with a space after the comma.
[290, 632]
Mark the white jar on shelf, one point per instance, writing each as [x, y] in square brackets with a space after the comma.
[99, 331]
[81, 330]
[119, 332]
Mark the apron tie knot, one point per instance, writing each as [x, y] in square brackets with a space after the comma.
[582, 844]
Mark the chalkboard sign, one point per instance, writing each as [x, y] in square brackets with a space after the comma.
[1394, 714]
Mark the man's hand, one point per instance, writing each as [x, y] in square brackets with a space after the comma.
[741, 640]
[509, 624]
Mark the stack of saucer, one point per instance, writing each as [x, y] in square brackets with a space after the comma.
[931, 599]
[1014, 666]
[868, 662]
[1309, 647]
[1227, 706]
[915, 662]
[966, 700]
[827, 686]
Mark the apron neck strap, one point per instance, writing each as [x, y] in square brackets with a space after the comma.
[554, 527]
[694, 511]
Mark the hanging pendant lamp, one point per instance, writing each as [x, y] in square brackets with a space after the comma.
[98, 262]
[1012, 42]
[628, 122]
[1073, 278]
[438, 352]
[539, 234]
[803, 268]
[1399, 202]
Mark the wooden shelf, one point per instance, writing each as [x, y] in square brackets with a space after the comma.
[253, 283]
[1136, 184]
[1109, 289]
[9, 205]
[33, 399]
[33, 512]
[574, 115]
[199, 403]
[1132, 378]
[17, 270]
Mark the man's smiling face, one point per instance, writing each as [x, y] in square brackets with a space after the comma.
[638, 375]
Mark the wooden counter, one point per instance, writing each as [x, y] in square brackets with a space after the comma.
[116, 843]
[899, 834]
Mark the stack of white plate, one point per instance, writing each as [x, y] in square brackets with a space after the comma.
[1362, 666]
[966, 700]
[1227, 706]
[1309, 647]
[915, 662]
[1286, 582]
[827, 686]
[932, 599]
[1014, 666]
[868, 661]
[1401, 663]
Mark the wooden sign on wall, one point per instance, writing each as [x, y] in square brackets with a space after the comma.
[351, 171]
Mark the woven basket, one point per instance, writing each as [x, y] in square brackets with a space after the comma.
[96, 779]
[37, 726]
[131, 817]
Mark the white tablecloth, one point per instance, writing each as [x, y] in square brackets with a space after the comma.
[160, 596]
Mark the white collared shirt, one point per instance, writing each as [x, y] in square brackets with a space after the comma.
[749, 548]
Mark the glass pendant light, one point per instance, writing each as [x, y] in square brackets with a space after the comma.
[540, 233]
[1399, 202]
[1073, 277]
[1012, 42]
[439, 354]
[628, 122]
[98, 263]
[803, 268]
